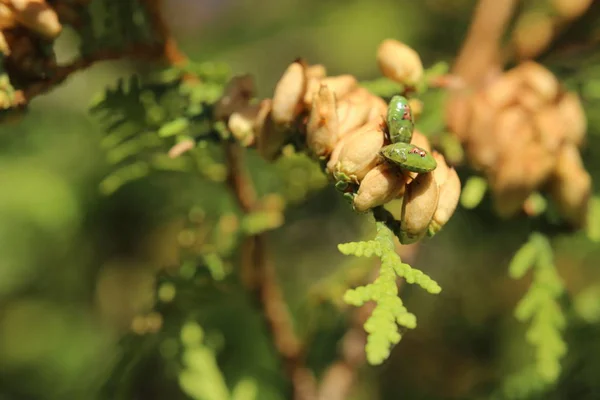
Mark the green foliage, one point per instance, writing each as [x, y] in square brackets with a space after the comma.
[201, 377]
[522, 385]
[450, 146]
[436, 70]
[593, 225]
[300, 175]
[261, 221]
[114, 25]
[387, 88]
[210, 242]
[537, 203]
[587, 304]
[540, 306]
[383, 87]
[215, 265]
[389, 312]
[144, 119]
[473, 192]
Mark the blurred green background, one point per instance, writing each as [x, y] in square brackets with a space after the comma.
[76, 266]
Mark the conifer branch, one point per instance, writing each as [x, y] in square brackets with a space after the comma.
[57, 74]
[258, 273]
[61, 73]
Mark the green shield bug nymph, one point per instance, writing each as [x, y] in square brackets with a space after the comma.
[399, 120]
[409, 157]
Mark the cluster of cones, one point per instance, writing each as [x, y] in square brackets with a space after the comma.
[542, 22]
[524, 132]
[343, 125]
[25, 27]
[33, 15]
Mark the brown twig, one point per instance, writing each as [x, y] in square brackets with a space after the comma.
[166, 49]
[480, 51]
[448, 81]
[60, 73]
[237, 178]
[170, 50]
[258, 274]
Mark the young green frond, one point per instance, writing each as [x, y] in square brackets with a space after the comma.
[201, 378]
[144, 119]
[593, 223]
[383, 324]
[540, 305]
[261, 221]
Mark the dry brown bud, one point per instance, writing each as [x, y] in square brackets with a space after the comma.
[344, 108]
[241, 124]
[524, 167]
[399, 62]
[515, 126]
[359, 152]
[312, 87]
[530, 100]
[504, 90]
[448, 201]
[340, 85]
[571, 9]
[289, 91]
[317, 71]
[352, 115]
[7, 17]
[420, 203]
[457, 114]
[269, 137]
[4, 45]
[532, 34]
[378, 109]
[440, 173]
[37, 16]
[571, 110]
[539, 79]
[323, 125]
[506, 181]
[236, 95]
[416, 107]
[379, 186]
[508, 131]
[537, 166]
[550, 128]
[335, 155]
[358, 95]
[481, 146]
[571, 186]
